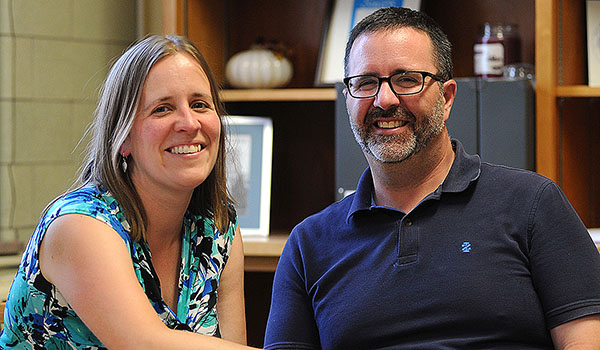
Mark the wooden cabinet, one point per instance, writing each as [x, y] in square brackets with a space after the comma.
[552, 34]
[553, 37]
[567, 110]
[303, 116]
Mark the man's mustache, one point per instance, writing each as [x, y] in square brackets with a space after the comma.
[393, 113]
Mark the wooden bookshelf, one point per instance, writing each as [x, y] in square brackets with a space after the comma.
[567, 109]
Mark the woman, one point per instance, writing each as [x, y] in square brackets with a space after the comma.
[148, 230]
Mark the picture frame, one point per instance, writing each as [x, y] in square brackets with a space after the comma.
[344, 14]
[248, 168]
[595, 234]
[593, 41]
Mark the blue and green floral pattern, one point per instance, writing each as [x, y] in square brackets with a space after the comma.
[38, 317]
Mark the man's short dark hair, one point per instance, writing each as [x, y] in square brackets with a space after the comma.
[399, 17]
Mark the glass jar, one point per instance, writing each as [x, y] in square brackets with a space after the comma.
[496, 45]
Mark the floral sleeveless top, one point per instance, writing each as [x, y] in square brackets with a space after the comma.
[37, 315]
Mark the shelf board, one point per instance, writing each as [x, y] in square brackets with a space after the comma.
[261, 254]
[250, 95]
[577, 91]
[270, 246]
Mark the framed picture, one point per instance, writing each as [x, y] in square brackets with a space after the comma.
[344, 15]
[248, 167]
[593, 42]
[595, 233]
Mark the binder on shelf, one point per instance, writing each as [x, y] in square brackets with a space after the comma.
[507, 122]
[350, 161]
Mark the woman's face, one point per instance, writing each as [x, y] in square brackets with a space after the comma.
[175, 136]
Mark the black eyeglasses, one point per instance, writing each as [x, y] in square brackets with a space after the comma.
[402, 83]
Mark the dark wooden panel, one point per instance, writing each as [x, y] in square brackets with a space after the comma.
[205, 26]
[297, 24]
[303, 157]
[573, 56]
[578, 161]
[257, 292]
[460, 20]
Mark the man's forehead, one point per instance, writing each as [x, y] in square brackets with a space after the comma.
[404, 45]
[407, 34]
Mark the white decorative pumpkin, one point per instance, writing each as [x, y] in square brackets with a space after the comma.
[258, 68]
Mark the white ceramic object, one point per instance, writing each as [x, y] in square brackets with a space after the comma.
[258, 68]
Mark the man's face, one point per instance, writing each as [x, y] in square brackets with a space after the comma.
[388, 127]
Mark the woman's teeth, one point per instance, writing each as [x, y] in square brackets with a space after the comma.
[185, 149]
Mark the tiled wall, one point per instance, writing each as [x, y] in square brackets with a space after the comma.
[53, 56]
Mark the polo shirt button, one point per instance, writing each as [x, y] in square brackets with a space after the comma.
[408, 223]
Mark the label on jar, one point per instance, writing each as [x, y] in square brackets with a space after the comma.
[489, 59]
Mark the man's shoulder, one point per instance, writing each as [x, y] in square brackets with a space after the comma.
[506, 175]
[512, 186]
[331, 218]
[321, 237]
[337, 211]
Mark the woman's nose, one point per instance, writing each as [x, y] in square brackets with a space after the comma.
[186, 120]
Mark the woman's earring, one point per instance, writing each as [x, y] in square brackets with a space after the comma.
[124, 163]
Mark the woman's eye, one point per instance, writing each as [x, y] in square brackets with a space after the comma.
[160, 109]
[199, 105]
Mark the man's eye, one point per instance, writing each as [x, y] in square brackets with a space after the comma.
[405, 80]
[366, 84]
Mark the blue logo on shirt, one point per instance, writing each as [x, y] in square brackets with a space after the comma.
[466, 247]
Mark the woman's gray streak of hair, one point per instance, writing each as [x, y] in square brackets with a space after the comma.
[122, 87]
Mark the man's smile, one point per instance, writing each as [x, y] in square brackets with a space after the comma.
[390, 124]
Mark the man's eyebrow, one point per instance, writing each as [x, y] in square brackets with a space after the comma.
[377, 75]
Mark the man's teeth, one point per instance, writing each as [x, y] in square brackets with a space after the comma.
[186, 149]
[391, 124]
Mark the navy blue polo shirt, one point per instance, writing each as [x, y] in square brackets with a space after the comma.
[494, 258]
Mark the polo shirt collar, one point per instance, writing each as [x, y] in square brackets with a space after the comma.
[465, 170]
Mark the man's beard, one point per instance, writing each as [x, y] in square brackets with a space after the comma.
[399, 147]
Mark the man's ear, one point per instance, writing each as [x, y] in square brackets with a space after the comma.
[450, 88]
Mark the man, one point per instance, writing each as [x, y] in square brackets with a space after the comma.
[435, 249]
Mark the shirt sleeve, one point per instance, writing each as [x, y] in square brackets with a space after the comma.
[565, 263]
[291, 323]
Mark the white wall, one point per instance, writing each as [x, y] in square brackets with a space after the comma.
[53, 56]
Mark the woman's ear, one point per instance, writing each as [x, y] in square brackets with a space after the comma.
[124, 150]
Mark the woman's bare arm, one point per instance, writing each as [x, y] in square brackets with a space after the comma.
[230, 305]
[89, 264]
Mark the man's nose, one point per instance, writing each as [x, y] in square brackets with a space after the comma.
[386, 97]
